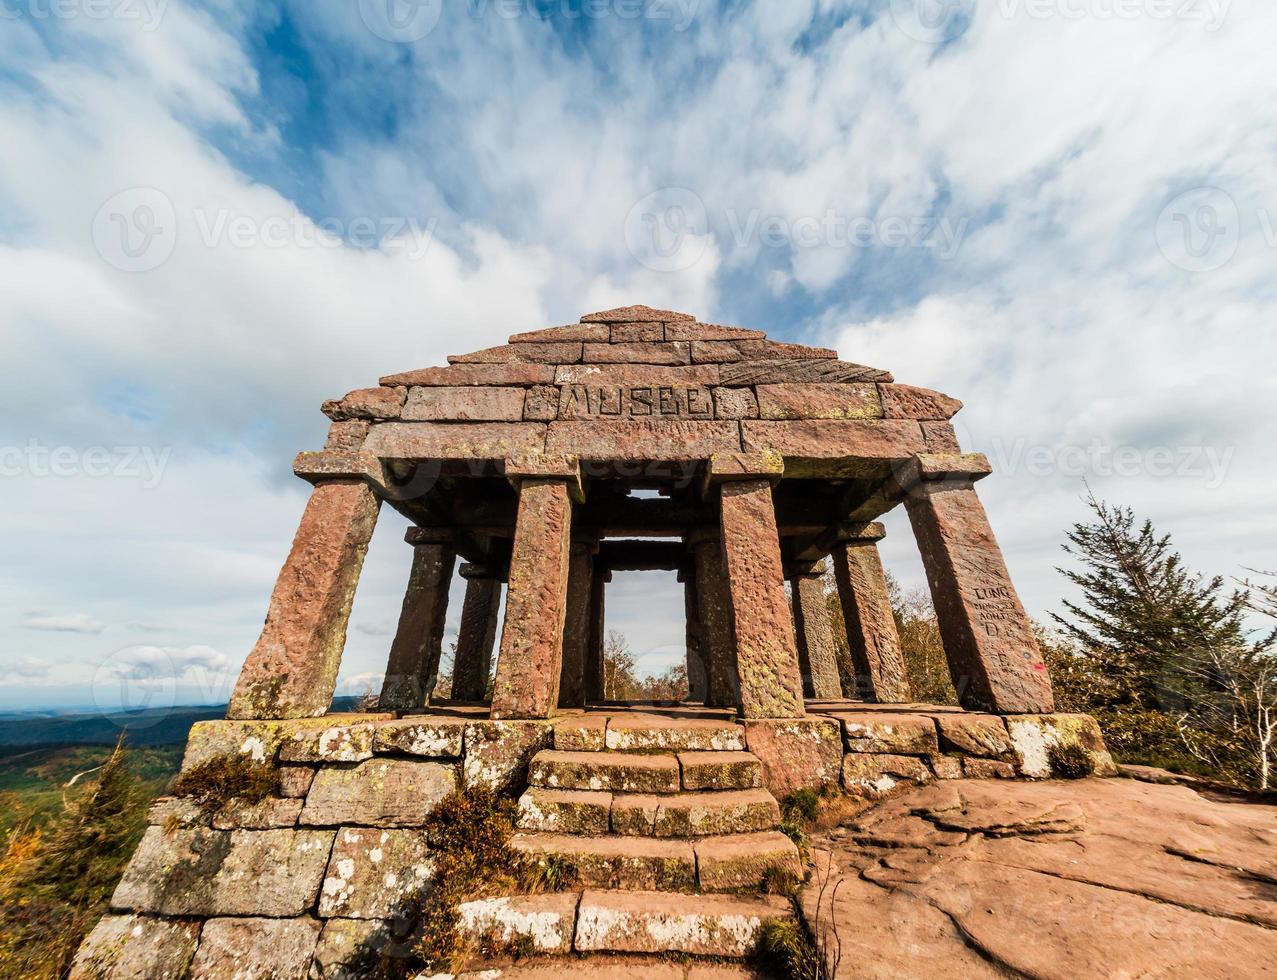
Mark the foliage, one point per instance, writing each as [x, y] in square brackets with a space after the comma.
[802, 803]
[224, 778]
[784, 950]
[621, 681]
[1070, 761]
[780, 880]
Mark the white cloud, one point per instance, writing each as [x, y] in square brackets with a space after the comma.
[72, 623]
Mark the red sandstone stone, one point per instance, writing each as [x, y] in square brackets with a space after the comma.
[468, 404]
[743, 860]
[541, 404]
[820, 440]
[413, 667]
[819, 401]
[346, 437]
[808, 371]
[441, 440]
[635, 314]
[627, 375]
[640, 353]
[366, 403]
[817, 658]
[639, 439]
[709, 331]
[513, 373]
[704, 925]
[715, 605]
[796, 753]
[908, 402]
[617, 862]
[940, 437]
[720, 770]
[540, 353]
[573, 332]
[735, 403]
[625, 333]
[475, 639]
[876, 656]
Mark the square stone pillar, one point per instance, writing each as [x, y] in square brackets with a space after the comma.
[993, 656]
[697, 668]
[530, 664]
[478, 633]
[766, 653]
[714, 603]
[598, 633]
[576, 625]
[876, 657]
[817, 656]
[292, 671]
[413, 666]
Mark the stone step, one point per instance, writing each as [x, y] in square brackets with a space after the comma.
[657, 922]
[653, 733]
[720, 770]
[611, 771]
[695, 814]
[742, 861]
[565, 811]
[631, 863]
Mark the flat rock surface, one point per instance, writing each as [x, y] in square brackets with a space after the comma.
[1095, 878]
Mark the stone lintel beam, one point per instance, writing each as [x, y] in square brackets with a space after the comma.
[413, 665]
[736, 467]
[292, 670]
[547, 466]
[634, 556]
[322, 467]
[817, 546]
[958, 469]
[805, 568]
[477, 570]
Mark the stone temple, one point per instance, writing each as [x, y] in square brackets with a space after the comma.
[636, 439]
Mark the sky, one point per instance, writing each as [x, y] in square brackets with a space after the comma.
[215, 214]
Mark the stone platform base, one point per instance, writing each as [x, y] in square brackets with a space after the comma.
[299, 884]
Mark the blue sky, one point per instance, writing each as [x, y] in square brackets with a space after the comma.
[215, 214]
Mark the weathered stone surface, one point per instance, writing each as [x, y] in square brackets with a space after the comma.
[617, 862]
[346, 436]
[375, 874]
[268, 814]
[135, 947]
[558, 811]
[908, 402]
[586, 733]
[174, 811]
[437, 738]
[255, 740]
[636, 375]
[477, 404]
[940, 437]
[541, 404]
[643, 331]
[613, 403]
[817, 655]
[330, 743]
[796, 753]
[295, 780]
[349, 949]
[616, 772]
[548, 921]
[412, 668]
[737, 466]
[211, 872]
[725, 351]
[735, 403]
[714, 603]
[576, 624]
[641, 439]
[377, 793]
[514, 373]
[441, 440]
[763, 626]
[597, 333]
[720, 770]
[292, 671]
[472, 666]
[742, 861]
[637, 314]
[1035, 737]
[979, 735]
[529, 667]
[808, 371]
[366, 403]
[897, 734]
[654, 733]
[535, 353]
[695, 814]
[239, 949]
[946, 766]
[993, 656]
[876, 657]
[709, 331]
[704, 925]
[877, 775]
[819, 401]
[974, 768]
[497, 753]
[831, 439]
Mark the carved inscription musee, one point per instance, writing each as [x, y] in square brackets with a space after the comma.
[635, 401]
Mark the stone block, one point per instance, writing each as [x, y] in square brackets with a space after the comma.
[175, 811]
[709, 331]
[908, 402]
[346, 437]
[720, 770]
[349, 949]
[637, 314]
[642, 439]
[591, 332]
[295, 780]
[366, 403]
[894, 734]
[548, 921]
[653, 733]
[440, 440]
[543, 352]
[497, 753]
[877, 775]
[439, 738]
[513, 373]
[699, 925]
[377, 793]
[696, 814]
[833, 439]
[626, 375]
[541, 404]
[255, 740]
[808, 371]
[972, 734]
[641, 332]
[819, 401]
[743, 860]
[557, 811]
[240, 949]
[940, 437]
[945, 766]
[973, 768]
[135, 947]
[584, 733]
[796, 753]
[610, 771]
[210, 872]
[1034, 737]
[615, 403]
[375, 874]
[268, 814]
[617, 862]
[634, 814]
[464, 404]
[330, 743]
[735, 403]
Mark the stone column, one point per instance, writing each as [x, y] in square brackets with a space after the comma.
[766, 654]
[292, 671]
[478, 633]
[876, 656]
[817, 658]
[697, 670]
[413, 667]
[714, 603]
[993, 656]
[531, 659]
[576, 625]
[598, 635]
